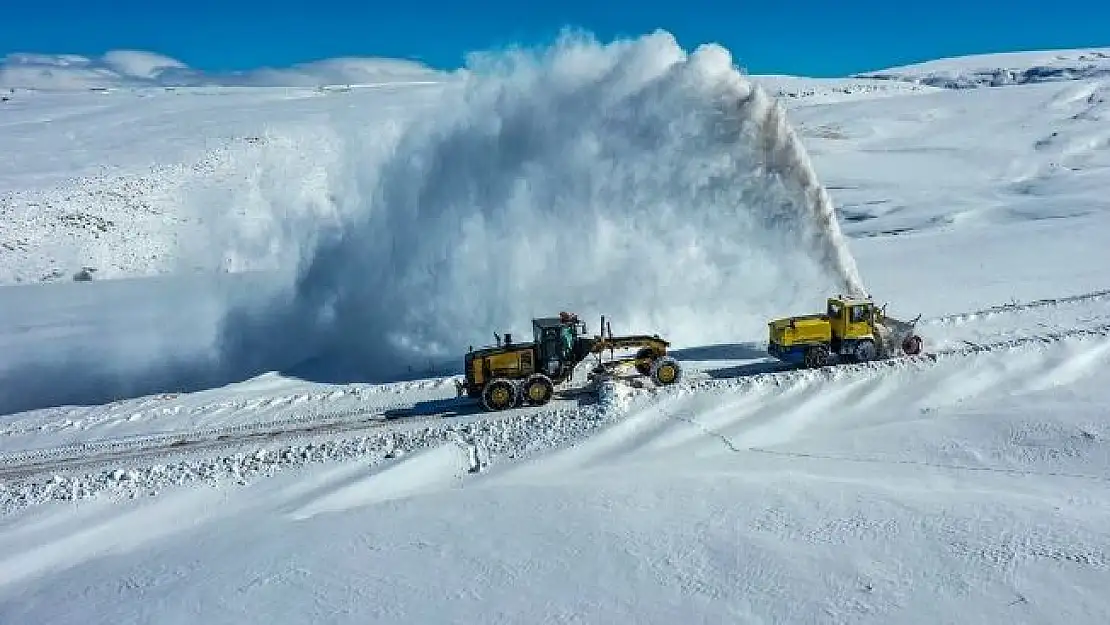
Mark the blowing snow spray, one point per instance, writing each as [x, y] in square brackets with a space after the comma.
[660, 187]
[785, 156]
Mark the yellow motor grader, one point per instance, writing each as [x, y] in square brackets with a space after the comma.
[510, 374]
[850, 330]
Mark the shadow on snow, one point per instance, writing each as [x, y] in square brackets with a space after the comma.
[92, 344]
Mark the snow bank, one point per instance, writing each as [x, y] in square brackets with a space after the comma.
[631, 179]
[449, 446]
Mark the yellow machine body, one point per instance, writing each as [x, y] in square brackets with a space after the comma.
[506, 362]
[508, 373]
[851, 327]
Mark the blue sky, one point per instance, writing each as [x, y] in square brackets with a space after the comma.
[808, 37]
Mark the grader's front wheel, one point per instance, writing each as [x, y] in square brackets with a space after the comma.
[538, 389]
[499, 394]
[665, 371]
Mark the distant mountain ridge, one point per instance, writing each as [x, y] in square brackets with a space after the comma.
[132, 68]
[998, 70]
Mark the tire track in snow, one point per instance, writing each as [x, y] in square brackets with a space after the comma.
[1016, 308]
[504, 435]
[71, 456]
[92, 454]
[153, 407]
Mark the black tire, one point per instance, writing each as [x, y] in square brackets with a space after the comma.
[912, 345]
[645, 368]
[666, 371]
[538, 389]
[865, 351]
[499, 394]
[816, 356]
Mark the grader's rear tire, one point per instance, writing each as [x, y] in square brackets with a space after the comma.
[538, 390]
[666, 371]
[499, 394]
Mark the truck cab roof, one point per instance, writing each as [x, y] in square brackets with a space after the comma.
[851, 301]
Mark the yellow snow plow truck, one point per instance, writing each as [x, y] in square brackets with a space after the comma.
[850, 330]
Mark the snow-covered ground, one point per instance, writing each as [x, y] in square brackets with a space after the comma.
[171, 451]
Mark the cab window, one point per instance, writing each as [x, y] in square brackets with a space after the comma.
[860, 313]
[834, 310]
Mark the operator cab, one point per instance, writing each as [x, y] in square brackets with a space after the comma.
[858, 310]
[555, 340]
[850, 319]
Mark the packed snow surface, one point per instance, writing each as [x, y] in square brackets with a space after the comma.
[178, 447]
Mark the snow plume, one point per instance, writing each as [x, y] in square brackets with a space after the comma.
[660, 188]
[785, 156]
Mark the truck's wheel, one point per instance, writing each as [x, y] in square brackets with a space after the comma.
[912, 345]
[538, 389]
[665, 371]
[499, 394]
[645, 368]
[816, 356]
[865, 351]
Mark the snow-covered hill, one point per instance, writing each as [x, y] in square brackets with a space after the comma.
[173, 448]
[998, 70]
[128, 69]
